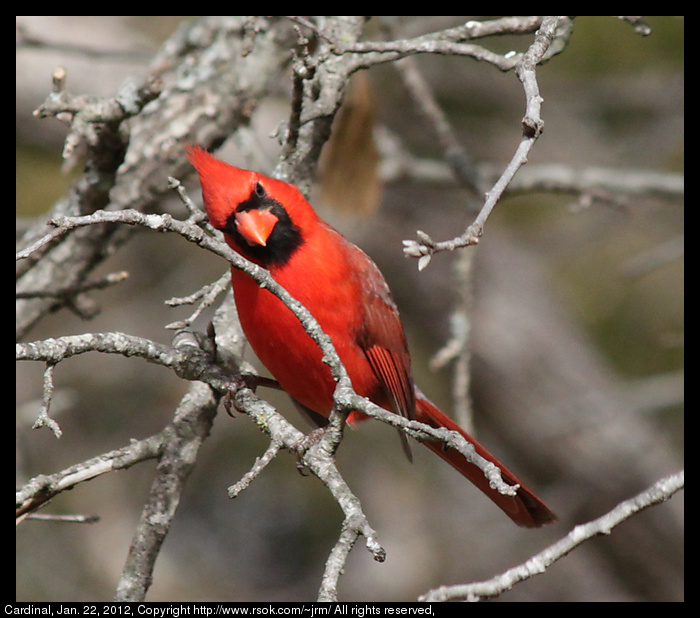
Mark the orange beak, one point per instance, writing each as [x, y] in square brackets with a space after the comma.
[255, 225]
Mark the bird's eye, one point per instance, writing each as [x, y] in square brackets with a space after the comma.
[259, 190]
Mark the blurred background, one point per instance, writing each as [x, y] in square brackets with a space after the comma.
[576, 321]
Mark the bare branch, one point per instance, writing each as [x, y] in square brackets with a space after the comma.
[399, 165]
[318, 458]
[532, 124]
[41, 489]
[656, 494]
[258, 467]
[44, 420]
[450, 42]
[178, 455]
[208, 294]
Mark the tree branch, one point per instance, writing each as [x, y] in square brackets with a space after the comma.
[178, 455]
[41, 489]
[656, 494]
[532, 125]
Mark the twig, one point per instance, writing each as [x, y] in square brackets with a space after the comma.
[659, 492]
[532, 125]
[41, 489]
[450, 42]
[197, 215]
[258, 467]
[44, 420]
[90, 118]
[208, 294]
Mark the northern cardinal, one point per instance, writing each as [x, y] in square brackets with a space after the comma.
[270, 222]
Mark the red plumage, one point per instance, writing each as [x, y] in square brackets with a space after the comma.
[271, 223]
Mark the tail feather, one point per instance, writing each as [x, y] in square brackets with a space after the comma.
[525, 508]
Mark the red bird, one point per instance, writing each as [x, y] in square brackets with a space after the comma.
[271, 223]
